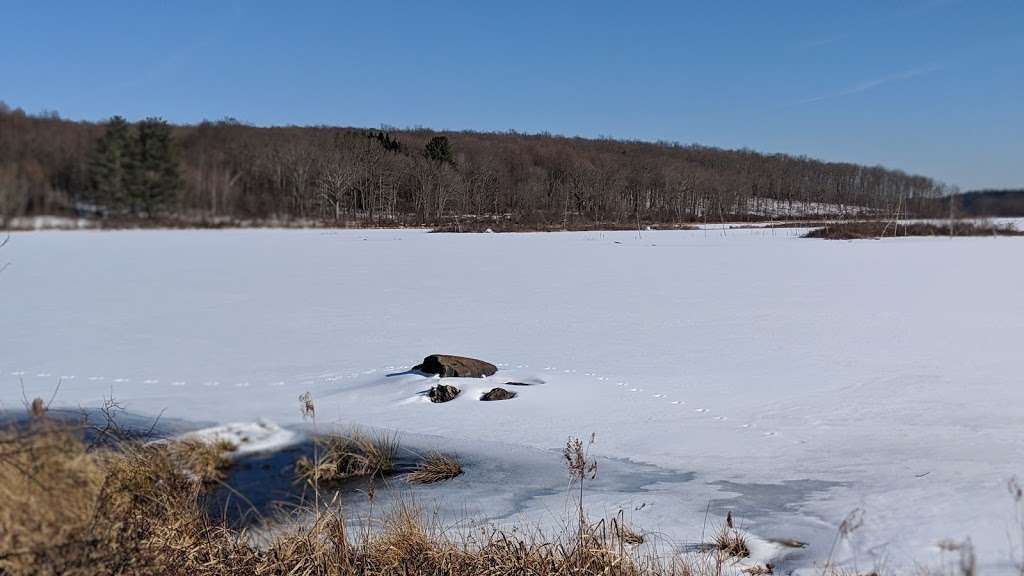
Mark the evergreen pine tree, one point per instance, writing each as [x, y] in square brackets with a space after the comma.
[439, 150]
[155, 174]
[110, 165]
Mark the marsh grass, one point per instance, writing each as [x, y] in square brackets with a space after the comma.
[882, 229]
[342, 457]
[72, 507]
[732, 543]
[435, 467]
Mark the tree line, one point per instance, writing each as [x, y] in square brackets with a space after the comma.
[227, 170]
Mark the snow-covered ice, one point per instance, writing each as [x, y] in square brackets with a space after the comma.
[246, 437]
[795, 379]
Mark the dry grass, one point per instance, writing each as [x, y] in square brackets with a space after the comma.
[66, 508]
[71, 508]
[503, 225]
[339, 458]
[731, 543]
[882, 229]
[435, 467]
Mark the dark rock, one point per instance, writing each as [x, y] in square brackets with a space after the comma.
[455, 366]
[443, 393]
[498, 394]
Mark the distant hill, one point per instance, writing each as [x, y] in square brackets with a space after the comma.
[1008, 203]
[227, 171]
[975, 204]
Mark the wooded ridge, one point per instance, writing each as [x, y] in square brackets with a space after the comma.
[151, 170]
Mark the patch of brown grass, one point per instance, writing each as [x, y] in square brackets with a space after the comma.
[135, 509]
[66, 508]
[435, 467]
[70, 508]
[732, 543]
[883, 229]
[339, 458]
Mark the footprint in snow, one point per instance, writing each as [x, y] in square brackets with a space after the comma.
[67, 377]
[211, 383]
[95, 378]
[18, 373]
[277, 384]
[242, 385]
[678, 402]
[702, 410]
[659, 395]
[177, 383]
[633, 390]
[120, 380]
[151, 381]
[43, 375]
[769, 433]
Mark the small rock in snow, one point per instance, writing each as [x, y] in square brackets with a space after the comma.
[443, 393]
[498, 394]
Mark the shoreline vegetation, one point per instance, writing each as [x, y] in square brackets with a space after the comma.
[859, 228]
[97, 498]
[93, 497]
[882, 229]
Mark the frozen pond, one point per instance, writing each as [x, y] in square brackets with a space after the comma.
[789, 380]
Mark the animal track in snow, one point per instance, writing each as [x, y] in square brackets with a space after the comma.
[151, 381]
[701, 410]
[178, 383]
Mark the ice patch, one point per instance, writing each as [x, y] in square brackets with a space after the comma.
[247, 437]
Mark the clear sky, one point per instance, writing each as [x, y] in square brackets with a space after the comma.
[928, 86]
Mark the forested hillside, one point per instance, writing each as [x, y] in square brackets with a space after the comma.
[226, 171]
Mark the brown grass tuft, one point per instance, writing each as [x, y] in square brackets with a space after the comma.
[435, 467]
[339, 458]
[731, 542]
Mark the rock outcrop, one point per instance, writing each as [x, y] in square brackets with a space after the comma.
[447, 366]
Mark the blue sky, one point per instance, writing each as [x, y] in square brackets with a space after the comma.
[928, 86]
